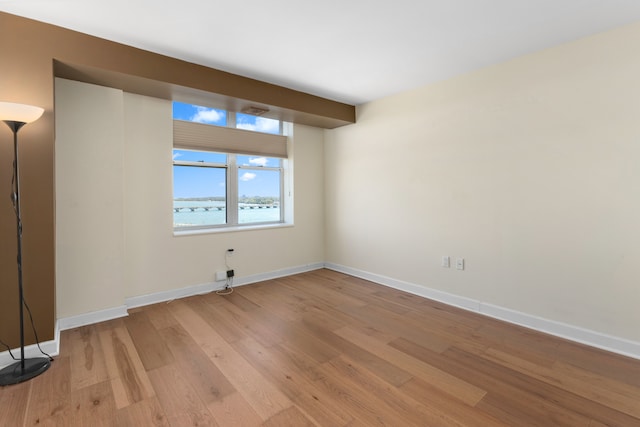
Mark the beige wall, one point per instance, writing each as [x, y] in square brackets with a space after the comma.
[530, 170]
[89, 167]
[152, 259]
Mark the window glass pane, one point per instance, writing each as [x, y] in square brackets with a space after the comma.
[199, 196]
[258, 196]
[199, 156]
[257, 161]
[258, 124]
[198, 114]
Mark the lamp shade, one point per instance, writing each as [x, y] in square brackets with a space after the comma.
[10, 111]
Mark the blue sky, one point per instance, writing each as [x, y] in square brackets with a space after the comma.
[205, 182]
[212, 116]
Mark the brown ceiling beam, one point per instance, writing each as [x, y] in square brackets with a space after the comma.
[91, 59]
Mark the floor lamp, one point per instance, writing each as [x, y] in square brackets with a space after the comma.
[16, 116]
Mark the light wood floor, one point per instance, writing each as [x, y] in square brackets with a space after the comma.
[324, 349]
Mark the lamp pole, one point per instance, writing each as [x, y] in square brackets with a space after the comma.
[16, 116]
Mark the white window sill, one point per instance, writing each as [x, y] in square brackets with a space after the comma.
[233, 229]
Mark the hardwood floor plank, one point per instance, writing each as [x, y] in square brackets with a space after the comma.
[151, 349]
[391, 373]
[433, 397]
[447, 382]
[395, 325]
[248, 323]
[159, 315]
[318, 315]
[296, 335]
[263, 397]
[326, 349]
[355, 400]
[294, 374]
[613, 394]
[93, 405]
[307, 343]
[512, 395]
[129, 379]
[88, 366]
[331, 396]
[233, 410]
[13, 403]
[290, 306]
[366, 294]
[147, 412]
[323, 294]
[617, 367]
[518, 340]
[49, 402]
[289, 417]
[406, 410]
[240, 301]
[180, 402]
[213, 309]
[208, 381]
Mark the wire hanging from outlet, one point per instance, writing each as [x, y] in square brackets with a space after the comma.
[228, 288]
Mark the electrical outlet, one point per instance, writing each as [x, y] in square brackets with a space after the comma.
[221, 276]
[446, 261]
[460, 263]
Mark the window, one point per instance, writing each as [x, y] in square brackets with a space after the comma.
[198, 114]
[199, 189]
[258, 124]
[226, 177]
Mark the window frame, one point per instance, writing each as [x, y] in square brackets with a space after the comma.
[232, 141]
[232, 190]
[279, 169]
[201, 164]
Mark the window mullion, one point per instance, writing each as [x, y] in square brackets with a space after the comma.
[232, 190]
[231, 119]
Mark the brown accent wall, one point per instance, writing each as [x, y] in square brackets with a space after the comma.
[32, 54]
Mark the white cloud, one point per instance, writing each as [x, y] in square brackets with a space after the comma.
[262, 125]
[206, 115]
[258, 161]
[247, 176]
[176, 155]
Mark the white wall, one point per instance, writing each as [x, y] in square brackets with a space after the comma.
[530, 170]
[89, 177]
[130, 140]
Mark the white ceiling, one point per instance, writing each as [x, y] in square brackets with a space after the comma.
[352, 51]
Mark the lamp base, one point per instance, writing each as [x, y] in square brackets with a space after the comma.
[14, 374]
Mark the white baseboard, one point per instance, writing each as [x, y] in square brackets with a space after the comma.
[573, 333]
[278, 273]
[156, 297]
[563, 330]
[205, 288]
[52, 348]
[71, 322]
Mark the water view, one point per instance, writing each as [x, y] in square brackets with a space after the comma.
[202, 212]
